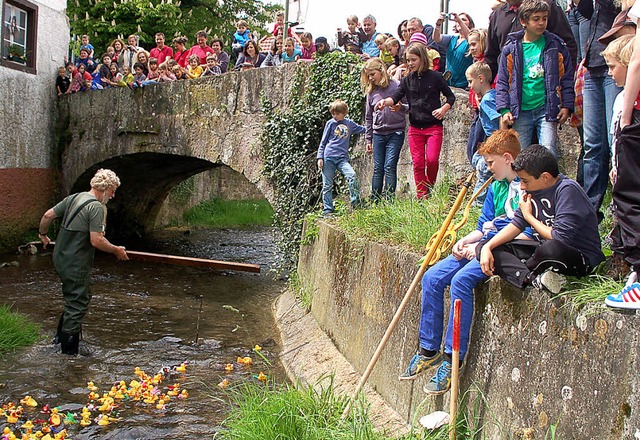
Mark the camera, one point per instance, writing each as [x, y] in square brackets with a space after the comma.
[448, 16]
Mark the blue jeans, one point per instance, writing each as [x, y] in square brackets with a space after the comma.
[331, 165]
[530, 120]
[462, 275]
[482, 175]
[386, 151]
[580, 29]
[600, 92]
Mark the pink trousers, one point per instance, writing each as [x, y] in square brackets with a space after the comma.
[425, 145]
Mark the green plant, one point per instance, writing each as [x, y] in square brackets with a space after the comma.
[16, 330]
[219, 213]
[15, 50]
[303, 293]
[290, 141]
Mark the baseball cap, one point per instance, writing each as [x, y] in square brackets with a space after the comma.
[621, 20]
[321, 40]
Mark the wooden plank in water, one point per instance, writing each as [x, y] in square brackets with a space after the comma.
[188, 261]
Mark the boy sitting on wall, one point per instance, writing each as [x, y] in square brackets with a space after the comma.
[461, 270]
[565, 224]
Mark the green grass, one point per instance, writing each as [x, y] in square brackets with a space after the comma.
[219, 213]
[16, 330]
[288, 412]
[408, 222]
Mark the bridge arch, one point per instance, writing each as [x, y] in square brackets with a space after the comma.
[156, 137]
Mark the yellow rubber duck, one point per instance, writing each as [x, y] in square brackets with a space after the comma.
[85, 421]
[93, 395]
[224, 383]
[262, 377]
[61, 435]
[28, 425]
[228, 368]
[47, 437]
[104, 420]
[29, 401]
[12, 417]
[257, 348]
[91, 386]
[55, 419]
[183, 395]
[182, 368]
[8, 434]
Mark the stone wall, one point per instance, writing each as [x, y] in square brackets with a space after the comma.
[534, 361]
[27, 115]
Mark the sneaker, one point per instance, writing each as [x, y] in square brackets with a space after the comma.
[549, 280]
[420, 364]
[441, 381]
[628, 298]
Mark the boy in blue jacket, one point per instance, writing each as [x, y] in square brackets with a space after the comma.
[333, 155]
[566, 228]
[461, 270]
[535, 64]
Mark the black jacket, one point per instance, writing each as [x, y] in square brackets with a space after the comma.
[602, 17]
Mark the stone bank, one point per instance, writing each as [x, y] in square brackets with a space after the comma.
[534, 361]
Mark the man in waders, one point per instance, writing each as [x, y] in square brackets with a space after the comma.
[81, 232]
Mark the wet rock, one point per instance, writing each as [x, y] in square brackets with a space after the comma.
[9, 264]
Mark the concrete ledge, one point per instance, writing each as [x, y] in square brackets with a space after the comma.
[534, 361]
[309, 357]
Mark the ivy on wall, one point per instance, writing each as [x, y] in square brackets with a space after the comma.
[290, 140]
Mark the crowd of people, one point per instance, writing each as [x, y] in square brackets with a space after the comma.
[535, 67]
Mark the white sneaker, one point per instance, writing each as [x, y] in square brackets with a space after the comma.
[551, 281]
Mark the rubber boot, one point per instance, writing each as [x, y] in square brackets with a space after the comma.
[69, 343]
[56, 338]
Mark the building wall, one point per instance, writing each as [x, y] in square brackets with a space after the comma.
[27, 110]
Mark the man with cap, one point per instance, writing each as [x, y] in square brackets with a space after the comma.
[599, 93]
[81, 232]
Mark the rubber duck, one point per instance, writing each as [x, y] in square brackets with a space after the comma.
[182, 368]
[28, 425]
[8, 434]
[12, 417]
[93, 395]
[91, 386]
[45, 409]
[262, 377]
[29, 401]
[61, 435]
[183, 395]
[103, 420]
[160, 404]
[47, 437]
[224, 383]
[55, 419]
[85, 421]
[257, 348]
[228, 368]
[70, 419]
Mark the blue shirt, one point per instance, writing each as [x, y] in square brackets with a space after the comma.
[370, 46]
[336, 137]
[458, 59]
[489, 115]
[290, 59]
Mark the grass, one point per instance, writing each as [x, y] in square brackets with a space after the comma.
[16, 330]
[408, 222]
[217, 213]
[289, 412]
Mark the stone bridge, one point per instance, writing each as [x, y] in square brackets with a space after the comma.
[156, 137]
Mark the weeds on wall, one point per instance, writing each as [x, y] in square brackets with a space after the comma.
[290, 140]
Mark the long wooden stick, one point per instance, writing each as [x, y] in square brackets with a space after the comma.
[455, 368]
[188, 261]
[181, 261]
[416, 280]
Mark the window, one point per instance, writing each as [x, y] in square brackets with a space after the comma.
[19, 32]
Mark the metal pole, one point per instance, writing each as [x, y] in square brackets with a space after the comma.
[285, 30]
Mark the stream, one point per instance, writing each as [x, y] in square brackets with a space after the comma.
[150, 316]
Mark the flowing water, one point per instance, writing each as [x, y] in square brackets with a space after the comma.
[149, 316]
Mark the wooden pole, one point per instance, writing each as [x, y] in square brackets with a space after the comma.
[416, 280]
[455, 369]
[188, 261]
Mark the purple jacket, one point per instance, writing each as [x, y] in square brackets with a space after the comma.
[383, 121]
[558, 73]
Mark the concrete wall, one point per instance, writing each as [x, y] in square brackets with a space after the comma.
[533, 361]
[27, 114]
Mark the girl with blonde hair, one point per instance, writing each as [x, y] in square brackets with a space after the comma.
[385, 128]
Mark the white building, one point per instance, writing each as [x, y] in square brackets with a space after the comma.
[34, 41]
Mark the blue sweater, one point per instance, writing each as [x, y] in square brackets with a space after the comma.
[336, 136]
